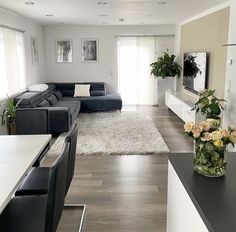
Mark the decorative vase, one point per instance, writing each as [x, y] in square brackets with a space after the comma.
[210, 160]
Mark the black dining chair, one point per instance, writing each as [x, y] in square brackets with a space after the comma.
[36, 183]
[39, 213]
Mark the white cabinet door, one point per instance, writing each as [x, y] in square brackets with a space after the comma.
[182, 215]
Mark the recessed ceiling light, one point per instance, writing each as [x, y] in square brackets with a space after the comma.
[102, 3]
[103, 15]
[29, 3]
[49, 15]
[121, 20]
[162, 3]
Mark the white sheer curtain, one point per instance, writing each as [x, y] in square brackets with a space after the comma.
[135, 54]
[12, 62]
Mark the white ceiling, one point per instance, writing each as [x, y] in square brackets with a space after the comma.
[88, 12]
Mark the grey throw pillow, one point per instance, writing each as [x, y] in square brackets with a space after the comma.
[52, 99]
[58, 94]
[44, 103]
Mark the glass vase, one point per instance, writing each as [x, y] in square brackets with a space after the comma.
[210, 160]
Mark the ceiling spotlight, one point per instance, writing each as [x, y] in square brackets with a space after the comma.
[102, 3]
[29, 3]
[103, 15]
[162, 3]
[49, 15]
[121, 20]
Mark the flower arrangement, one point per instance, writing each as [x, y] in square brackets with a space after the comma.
[210, 146]
[208, 104]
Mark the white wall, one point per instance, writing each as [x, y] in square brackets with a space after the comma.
[106, 69]
[34, 73]
[230, 92]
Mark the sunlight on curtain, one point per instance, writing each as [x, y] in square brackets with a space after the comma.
[134, 57]
[135, 54]
[12, 62]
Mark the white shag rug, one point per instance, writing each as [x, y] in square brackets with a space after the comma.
[126, 133]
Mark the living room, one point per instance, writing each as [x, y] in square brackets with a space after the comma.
[82, 69]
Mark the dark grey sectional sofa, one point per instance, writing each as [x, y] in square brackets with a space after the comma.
[55, 110]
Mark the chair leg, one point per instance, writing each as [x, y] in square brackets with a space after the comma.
[83, 206]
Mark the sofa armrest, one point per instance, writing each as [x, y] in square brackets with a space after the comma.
[32, 121]
[59, 119]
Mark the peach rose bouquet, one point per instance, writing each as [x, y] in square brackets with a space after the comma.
[210, 146]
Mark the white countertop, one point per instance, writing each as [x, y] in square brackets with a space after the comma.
[17, 155]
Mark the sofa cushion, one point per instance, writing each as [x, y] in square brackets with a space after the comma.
[44, 103]
[74, 107]
[97, 93]
[52, 99]
[58, 94]
[82, 90]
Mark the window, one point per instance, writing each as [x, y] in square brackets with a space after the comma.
[135, 54]
[12, 62]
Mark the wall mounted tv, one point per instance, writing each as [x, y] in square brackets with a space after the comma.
[195, 77]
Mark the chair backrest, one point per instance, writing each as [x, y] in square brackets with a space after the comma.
[56, 189]
[72, 139]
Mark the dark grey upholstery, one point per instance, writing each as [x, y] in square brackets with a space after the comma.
[44, 103]
[36, 182]
[39, 213]
[52, 100]
[99, 101]
[35, 116]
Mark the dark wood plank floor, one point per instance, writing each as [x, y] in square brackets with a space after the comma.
[126, 193]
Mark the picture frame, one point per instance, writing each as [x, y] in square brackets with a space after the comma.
[89, 50]
[34, 50]
[64, 51]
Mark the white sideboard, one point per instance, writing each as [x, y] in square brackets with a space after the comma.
[181, 104]
[182, 216]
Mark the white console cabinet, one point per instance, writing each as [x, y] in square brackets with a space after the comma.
[181, 104]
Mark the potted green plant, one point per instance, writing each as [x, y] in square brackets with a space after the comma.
[9, 115]
[165, 69]
[165, 66]
[209, 105]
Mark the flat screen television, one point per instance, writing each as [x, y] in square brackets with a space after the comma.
[195, 76]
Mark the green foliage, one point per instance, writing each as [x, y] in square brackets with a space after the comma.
[9, 111]
[165, 66]
[208, 104]
[209, 160]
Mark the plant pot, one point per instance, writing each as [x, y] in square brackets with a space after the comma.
[11, 128]
[169, 83]
[209, 160]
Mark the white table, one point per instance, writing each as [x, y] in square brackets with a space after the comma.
[17, 155]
